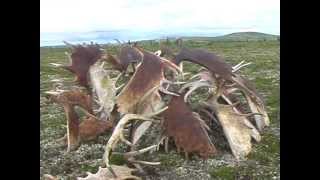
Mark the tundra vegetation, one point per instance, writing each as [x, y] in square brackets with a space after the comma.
[175, 110]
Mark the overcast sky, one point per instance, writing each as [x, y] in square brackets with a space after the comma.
[151, 15]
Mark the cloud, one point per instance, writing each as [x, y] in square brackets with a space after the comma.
[166, 15]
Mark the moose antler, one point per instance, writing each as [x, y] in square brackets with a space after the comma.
[81, 58]
[140, 100]
[209, 60]
[90, 128]
[255, 101]
[237, 128]
[104, 86]
[118, 134]
[127, 55]
[123, 172]
[148, 75]
[187, 129]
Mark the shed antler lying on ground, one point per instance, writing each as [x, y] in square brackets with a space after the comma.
[89, 128]
[104, 93]
[123, 173]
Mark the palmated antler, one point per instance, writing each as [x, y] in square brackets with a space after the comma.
[217, 66]
[206, 59]
[105, 87]
[81, 58]
[187, 129]
[127, 55]
[149, 74]
[254, 100]
[236, 126]
[88, 129]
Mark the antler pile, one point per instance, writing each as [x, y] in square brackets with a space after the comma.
[144, 97]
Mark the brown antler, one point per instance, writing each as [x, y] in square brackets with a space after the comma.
[90, 128]
[82, 57]
[148, 75]
[127, 55]
[188, 130]
[209, 60]
[255, 101]
[237, 128]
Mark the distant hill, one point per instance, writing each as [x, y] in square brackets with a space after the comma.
[103, 37]
[239, 36]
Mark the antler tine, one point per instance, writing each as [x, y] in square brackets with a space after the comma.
[138, 152]
[69, 44]
[68, 56]
[220, 83]
[118, 41]
[195, 76]
[158, 53]
[144, 162]
[171, 65]
[185, 86]
[239, 64]
[102, 64]
[170, 82]
[157, 112]
[116, 136]
[191, 84]
[254, 132]
[118, 77]
[55, 93]
[165, 91]
[119, 87]
[56, 64]
[117, 133]
[195, 87]
[239, 67]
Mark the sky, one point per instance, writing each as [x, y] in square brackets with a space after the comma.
[164, 15]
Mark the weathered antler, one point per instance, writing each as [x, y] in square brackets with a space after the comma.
[81, 59]
[187, 129]
[118, 134]
[148, 75]
[90, 128]
[104, 86]
[255, 101]
[207, 59]
[127, 55]
[123, 173]
[236, 126]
